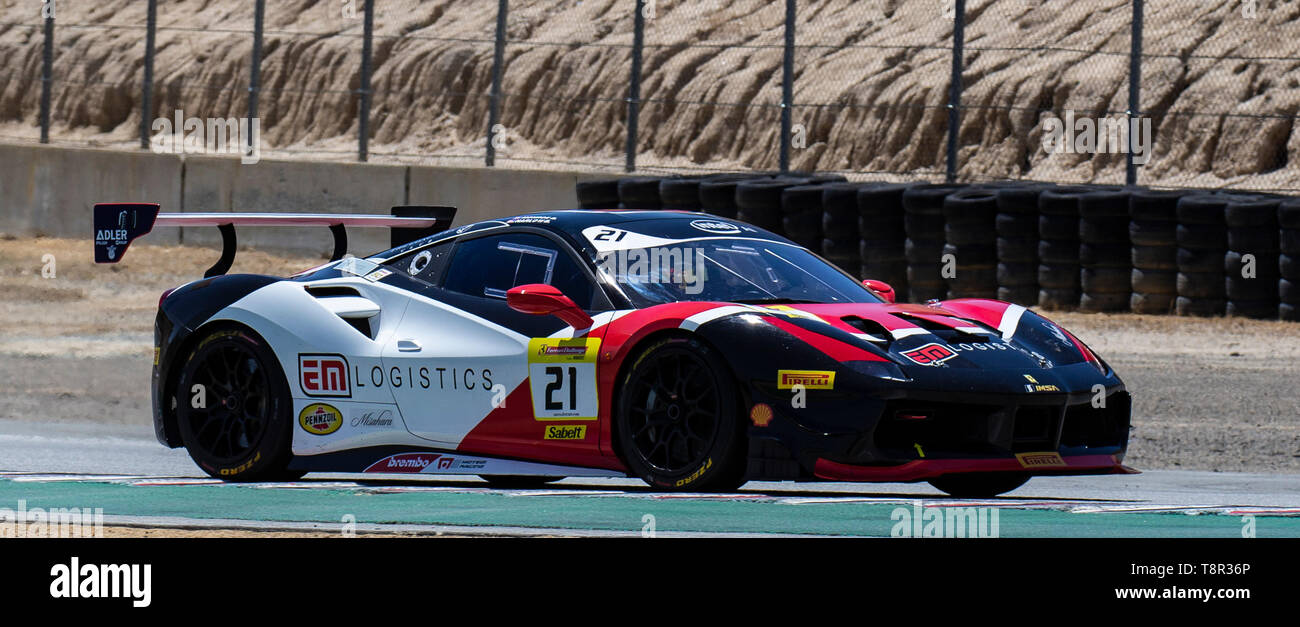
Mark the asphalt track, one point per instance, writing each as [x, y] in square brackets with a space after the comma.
[135, 481]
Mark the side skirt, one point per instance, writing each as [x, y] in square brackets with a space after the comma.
[429, 461]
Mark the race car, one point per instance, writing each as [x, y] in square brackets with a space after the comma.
[691, 351]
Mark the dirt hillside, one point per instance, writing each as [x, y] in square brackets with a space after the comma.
[872, 76]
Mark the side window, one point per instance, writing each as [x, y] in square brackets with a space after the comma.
[426, 264]
[488, 266]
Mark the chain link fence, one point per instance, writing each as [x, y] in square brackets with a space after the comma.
[1166, 92]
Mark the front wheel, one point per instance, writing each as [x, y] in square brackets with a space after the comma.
[677, 422]
[980, 485]
[233, 408]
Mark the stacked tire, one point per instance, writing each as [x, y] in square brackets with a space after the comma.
[638, 193]
[1251, 264]
[598, 194]
[1105, 260]
[1016, 225]
[801, 215]
[839, 226]
[883, 234]
[758, 202]
[681, 193]
[1058, 247]
[970, 236]
[1202, 246]
[718, 193]
[1153, 235]
[923, 248]
[1288, 221]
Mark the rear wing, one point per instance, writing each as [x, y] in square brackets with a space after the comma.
[119, 224]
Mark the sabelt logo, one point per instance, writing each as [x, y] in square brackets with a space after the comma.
[930, 355]
[1040, 460]
[566, 432]
[324, 375]
[320, 419]
[810, 379]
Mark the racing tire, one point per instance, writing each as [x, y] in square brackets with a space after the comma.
[681, 193]
[1257, 309]
[1155, 205]
[242, 429]
[1288, 267]
[601, 194]
[1253, 239]
[1261, 212]
[639, 193]
[1021, 295]
[1157, 304]
[1154, 281]
[979, 485]
[1106, 256]
[1106, 281]
[1200, 307]
[1055, 251]
[1164, 258]
[1202, 209]
[677, 419]
[1288, 214]
[1289, 241]
[1104, 302]
[1058, 300]
[1011, 250]
[1054, 227]
[1202, 237]
[1146, 233]
[1288, 312]
[1104, 230]
[1059, 277]
[1193, 260]
[1201, 285]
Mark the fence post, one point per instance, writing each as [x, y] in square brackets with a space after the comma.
[787, 85]
[47, 71]
[1134, 83]
[634, 85]
[954, 94]
[146, 98]
[363, 124]
[498, 61]
[255, 74]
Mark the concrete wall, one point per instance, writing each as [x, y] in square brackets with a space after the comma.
[50, 190]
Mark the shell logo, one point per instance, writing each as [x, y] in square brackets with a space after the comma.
[320, 419]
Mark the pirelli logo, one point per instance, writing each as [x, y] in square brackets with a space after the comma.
[1040, 460]
[810, 379]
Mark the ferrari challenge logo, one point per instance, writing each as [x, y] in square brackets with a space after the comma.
[320, 419]
[930, 355]
[1040, 460]
[810, 379]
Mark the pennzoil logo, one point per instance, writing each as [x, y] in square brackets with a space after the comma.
[810, 379]
[1040, 460]
[566, 432]
[320, 419]
[930, 355]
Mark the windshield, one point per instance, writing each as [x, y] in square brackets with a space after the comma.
[731, 270]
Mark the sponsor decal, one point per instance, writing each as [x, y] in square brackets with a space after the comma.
[324, 375]
[761, 414]
[562, 377]
[320, 419]
[566, 432]
[1035, 386]
[235, 470]
[994, 345]
[423, 377]
[377, 274]
[1040, 460]
[531, 220]
[426, 463]
[716, 226]
[930, 355]
[810, 379]
[373, 418]
[708, 463]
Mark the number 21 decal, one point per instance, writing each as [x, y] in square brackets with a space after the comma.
[562, 378]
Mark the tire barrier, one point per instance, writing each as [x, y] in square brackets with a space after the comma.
[758, 202]
[882, 234]
[970, 237]
[1105, 260]
[638, 193]
[1091, 247]
[600, 194]
[1288, 221]
[718, 193]
[1251, 263]
[923, 249]
[1058, 247]
[839, 226]
[681, 193]
[1016, 225]
[1202, 240]
[801, 215]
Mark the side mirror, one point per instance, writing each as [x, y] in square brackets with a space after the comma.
[880, 288]
[542, 299]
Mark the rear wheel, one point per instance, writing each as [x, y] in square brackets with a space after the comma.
[980, 485]
[234, 410]
[676, 419]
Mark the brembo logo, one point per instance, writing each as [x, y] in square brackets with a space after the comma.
[930, 354]
[324, 375]
[412, 462]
